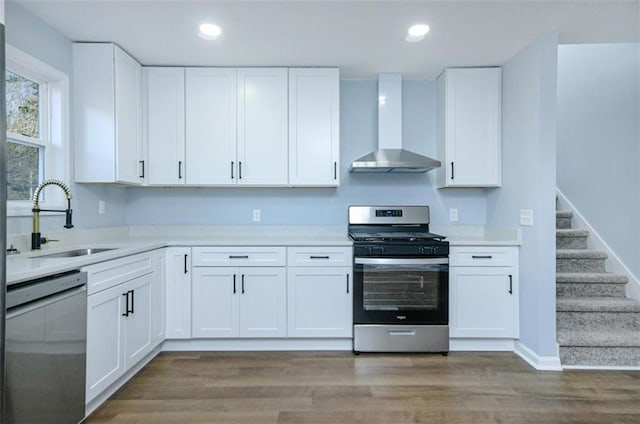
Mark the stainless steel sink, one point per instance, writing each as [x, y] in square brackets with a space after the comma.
[75, 252]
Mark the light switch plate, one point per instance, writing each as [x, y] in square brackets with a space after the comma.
[256, 215]
[102, 207]
[526, 217]
[453, 214]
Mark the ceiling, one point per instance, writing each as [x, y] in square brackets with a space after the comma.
[363, 38]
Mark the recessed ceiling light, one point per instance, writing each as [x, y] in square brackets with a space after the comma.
[417, 32]
[209, 31]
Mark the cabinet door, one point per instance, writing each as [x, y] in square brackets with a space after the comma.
[215, 302]
[158, 298]
[262, 126]
[211, 126]
[178, 293]
[165, 125]
[472, 133]
[263, 302]
[319, 302]
[314, 127]
[138, 333]
[128, 121]
[482, 302]
[105, 362]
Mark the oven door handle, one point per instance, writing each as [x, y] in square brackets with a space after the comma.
[400, 261]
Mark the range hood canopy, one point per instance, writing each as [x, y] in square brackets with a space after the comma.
[390, 156]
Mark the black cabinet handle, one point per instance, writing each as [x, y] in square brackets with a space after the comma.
[238, 256]
[335, 170]
[142, 168]
[452, 174]
[242, 283]
[481, 256]
[232, 170]
[179, 169]
[510, 284]
[239, 170]
[234, 283]
[185, 263]
[318, 257]
[126, 307]
[347, 283]
[133, 302]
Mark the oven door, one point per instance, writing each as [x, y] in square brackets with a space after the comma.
[401, 290]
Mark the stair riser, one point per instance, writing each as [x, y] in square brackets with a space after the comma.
[600, 356]
[590, 290]
[598, 320]
[578, 242]
[563, 223]
[580, 265]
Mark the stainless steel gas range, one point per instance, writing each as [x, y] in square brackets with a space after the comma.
[401, 281]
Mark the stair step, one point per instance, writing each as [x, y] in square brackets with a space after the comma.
[595, 338]
[597, 304]
[591, 278]
[571, 239]
[563, 219]
[580, 260]
[595, 356]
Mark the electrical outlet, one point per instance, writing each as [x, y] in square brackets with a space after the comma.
[453, 214]
[102, 207]
[526, 217]
[256, 215]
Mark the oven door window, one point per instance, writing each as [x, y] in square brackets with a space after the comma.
[401, 290]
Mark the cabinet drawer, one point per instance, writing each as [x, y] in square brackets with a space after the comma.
[319, 256]
[239, 256]
[482, 256]
[111, 273]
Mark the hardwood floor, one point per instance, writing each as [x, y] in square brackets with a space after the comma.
[311, 387]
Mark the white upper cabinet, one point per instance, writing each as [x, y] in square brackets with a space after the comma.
[107, 115]
[314, 126]
[469, 127]
[165, 125]
[211, 95]
[262, 126]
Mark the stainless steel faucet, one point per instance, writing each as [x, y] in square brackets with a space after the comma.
[36, 240]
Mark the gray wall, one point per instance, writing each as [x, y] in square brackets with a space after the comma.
[599, 141]
[528, 163]
[326, 206]
[34, 37]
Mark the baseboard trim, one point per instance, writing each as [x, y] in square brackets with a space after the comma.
[613, 262]
[246, 345]
[481, 345]
[599, 368]
[540, 363]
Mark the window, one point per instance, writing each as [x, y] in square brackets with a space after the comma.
[37, 147]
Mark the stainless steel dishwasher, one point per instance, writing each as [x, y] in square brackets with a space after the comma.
[46, 345]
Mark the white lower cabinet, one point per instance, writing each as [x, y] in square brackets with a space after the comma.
[483, 295]
[178, 293]
[320, 302]
[239, 302]
[119, 321]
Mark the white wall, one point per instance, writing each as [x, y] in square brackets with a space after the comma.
[599, 141]
[528, 163]
[34, 37]
[326, 206]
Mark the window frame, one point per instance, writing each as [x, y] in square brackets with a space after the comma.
[53, 127]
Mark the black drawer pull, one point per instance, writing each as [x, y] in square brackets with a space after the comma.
[242, 283]
[185, 263]
[142, 174]
[510, 284]
[335, 170]
[347, 283]
[133, 302]
[318, 257]
[232, 170]
[234, 283]
[179, 169]
[238, 256]
[126, 308]
[481, 256]
[452, 173]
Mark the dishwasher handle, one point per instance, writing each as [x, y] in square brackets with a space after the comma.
[43, 302]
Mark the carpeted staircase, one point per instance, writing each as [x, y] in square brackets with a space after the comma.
[597, 326]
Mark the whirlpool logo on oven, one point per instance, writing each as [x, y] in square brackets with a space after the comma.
[401, 317]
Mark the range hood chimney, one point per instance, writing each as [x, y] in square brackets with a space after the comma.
[390, 156]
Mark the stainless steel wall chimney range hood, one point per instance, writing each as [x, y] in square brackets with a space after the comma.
[390, 156]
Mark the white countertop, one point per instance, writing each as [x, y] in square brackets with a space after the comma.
[131, 240]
